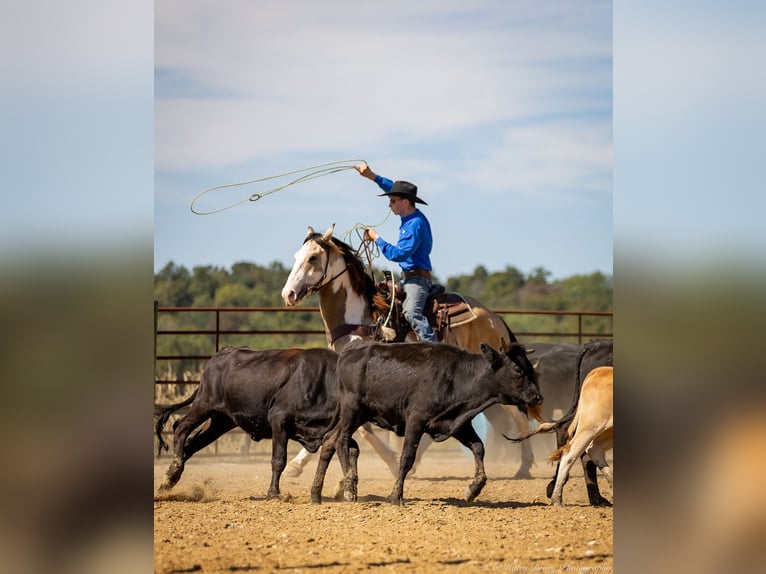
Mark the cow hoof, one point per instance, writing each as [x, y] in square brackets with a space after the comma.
[293, 469]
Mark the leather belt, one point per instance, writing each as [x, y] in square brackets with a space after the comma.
[422, 272]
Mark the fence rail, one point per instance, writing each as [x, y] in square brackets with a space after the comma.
[218, 331]
[579, 334]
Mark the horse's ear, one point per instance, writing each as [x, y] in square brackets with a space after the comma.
[328, 233]
[503, 346]
[310, 231]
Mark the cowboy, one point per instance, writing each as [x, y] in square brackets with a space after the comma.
[412, 250]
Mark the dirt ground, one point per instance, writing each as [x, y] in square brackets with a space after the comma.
[217, 519]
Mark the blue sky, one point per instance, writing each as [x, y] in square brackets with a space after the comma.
[500, 112]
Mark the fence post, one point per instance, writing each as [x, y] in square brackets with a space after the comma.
[154, 369]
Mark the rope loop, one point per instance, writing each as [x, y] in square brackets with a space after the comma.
[315, 171]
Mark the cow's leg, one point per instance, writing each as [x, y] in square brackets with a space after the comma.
[576, 449]
[295, 466]
[561, 440]
[325, 455]
[278, 455]
[597, 453]
[412, 437]
[591, 482]
[468, 438]
[184, 447]
[348, 454]
[388, 455]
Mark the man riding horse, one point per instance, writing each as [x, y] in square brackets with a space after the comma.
[412, 250]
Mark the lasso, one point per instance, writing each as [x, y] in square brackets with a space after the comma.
[314, 172]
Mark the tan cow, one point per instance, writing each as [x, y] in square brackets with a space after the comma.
[591, 431]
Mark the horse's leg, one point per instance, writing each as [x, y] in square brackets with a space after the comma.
[184, 447]
[501, 419]
[388, 455]
[425, 442]
[468, 438]
[295, 466]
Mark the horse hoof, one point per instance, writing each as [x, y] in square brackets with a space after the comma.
[522, 475]
[293, 469]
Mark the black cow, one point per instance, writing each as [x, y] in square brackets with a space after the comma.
[277, 394]
[417, 388]
[556, 368]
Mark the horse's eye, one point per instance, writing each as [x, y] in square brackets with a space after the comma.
[313, 259]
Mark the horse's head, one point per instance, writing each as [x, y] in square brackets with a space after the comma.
[312, 262]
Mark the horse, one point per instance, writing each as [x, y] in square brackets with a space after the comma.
[347, 301]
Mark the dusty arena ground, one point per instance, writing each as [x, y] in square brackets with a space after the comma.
[218, 520]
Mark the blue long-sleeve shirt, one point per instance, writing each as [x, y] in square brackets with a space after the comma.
[413, 249]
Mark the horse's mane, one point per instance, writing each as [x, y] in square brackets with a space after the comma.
[361, 282]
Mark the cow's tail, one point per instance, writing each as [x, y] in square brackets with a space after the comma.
[570, 414]
[557, 454]
[544, 427]
[161, 415]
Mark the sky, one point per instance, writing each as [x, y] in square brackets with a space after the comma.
[500, 112]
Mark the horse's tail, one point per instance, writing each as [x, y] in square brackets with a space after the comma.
[161, 415]
[511, 337]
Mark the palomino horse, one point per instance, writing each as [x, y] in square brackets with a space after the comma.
[328, 266]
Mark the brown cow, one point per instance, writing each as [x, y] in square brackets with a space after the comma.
[591, 431]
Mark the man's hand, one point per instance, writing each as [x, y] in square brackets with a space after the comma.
[364, 170]
[370, 234]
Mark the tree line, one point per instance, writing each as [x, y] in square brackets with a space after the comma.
[251, 285]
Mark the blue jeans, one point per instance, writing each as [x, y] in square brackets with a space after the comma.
[416, 290]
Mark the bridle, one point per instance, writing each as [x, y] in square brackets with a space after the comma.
[319, 285]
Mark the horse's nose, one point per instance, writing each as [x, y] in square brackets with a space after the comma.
[289, 298]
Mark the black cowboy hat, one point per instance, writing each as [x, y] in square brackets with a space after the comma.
[405, 189]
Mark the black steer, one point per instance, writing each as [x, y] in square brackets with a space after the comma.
[277, 394]
[417, 388]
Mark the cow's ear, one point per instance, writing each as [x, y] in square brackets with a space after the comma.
[491, 355]
[328, 234]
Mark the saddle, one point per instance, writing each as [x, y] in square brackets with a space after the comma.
[443, 309]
